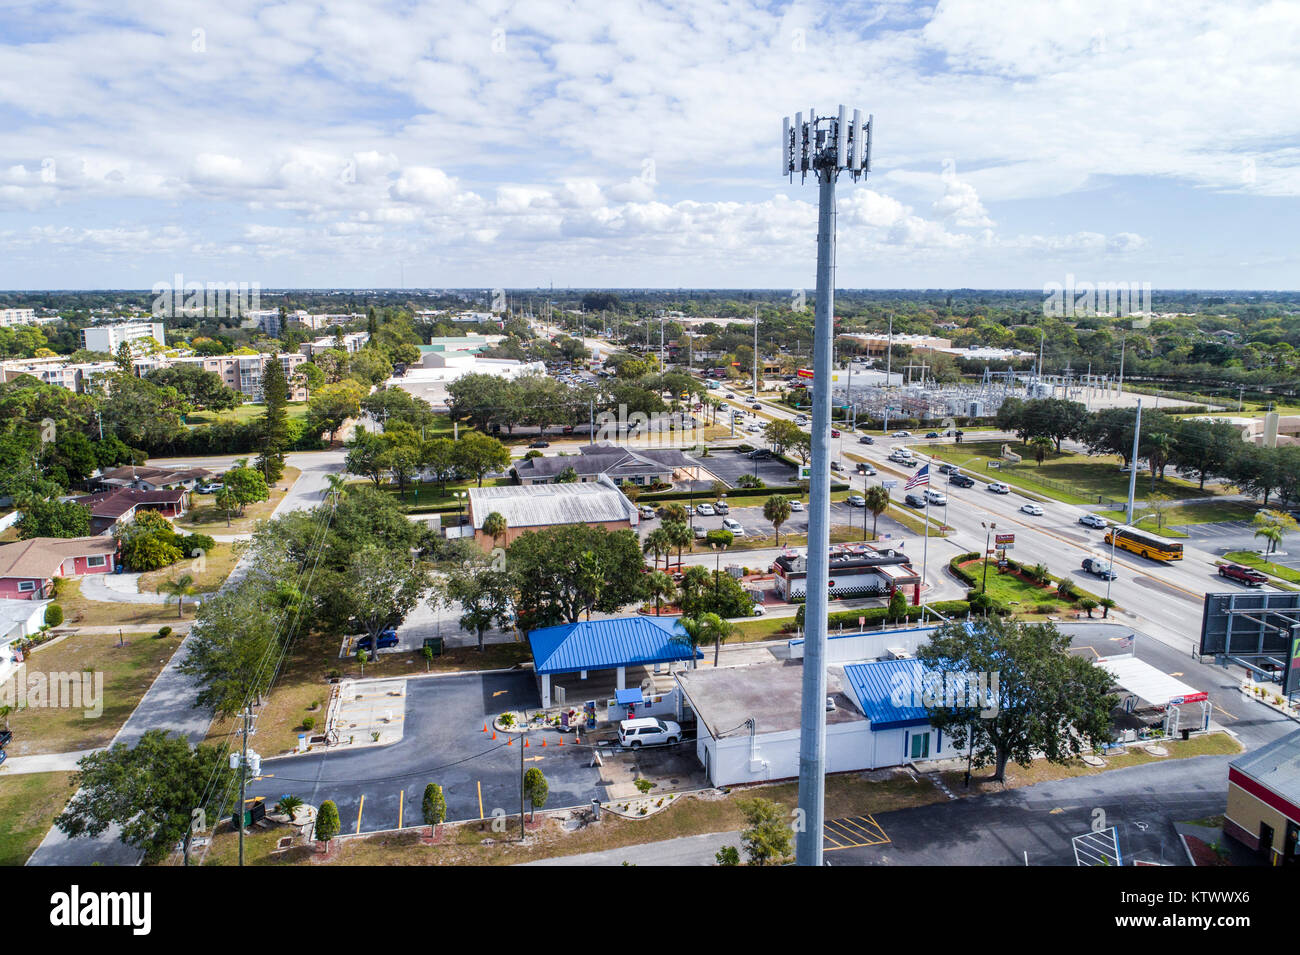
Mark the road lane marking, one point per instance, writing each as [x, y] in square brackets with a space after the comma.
[500, 693]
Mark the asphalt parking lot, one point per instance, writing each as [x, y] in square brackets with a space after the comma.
[729, 466]
[379, 788]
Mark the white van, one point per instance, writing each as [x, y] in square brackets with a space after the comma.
[647, 731]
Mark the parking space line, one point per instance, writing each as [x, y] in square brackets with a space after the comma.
[360, 806]
[401, 805]
[480, 799]
[853, 832]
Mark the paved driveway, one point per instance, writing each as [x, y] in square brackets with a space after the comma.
[443, 743]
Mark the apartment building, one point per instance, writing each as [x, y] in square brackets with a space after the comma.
[244, 373]
[10, 317]
[350, 343]
[109, 338]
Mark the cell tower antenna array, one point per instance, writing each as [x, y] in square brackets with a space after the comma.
[824, 146]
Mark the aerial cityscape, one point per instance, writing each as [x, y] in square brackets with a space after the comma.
[441, 438]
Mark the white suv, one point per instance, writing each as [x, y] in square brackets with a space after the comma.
[647, 731]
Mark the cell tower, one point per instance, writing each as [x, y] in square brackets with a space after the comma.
[823, 146]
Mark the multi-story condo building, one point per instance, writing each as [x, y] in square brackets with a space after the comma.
[244, 373]
[17, 316]
[108, 338]
[350, 343]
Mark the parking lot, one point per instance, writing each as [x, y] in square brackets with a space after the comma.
[729, 466]
[380, 788]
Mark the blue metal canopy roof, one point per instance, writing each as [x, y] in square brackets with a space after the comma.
[605, 644]
[889, 692]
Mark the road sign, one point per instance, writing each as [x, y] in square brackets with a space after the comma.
[1002, 539]
[889, 485]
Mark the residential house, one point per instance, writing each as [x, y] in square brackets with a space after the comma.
[28, 568]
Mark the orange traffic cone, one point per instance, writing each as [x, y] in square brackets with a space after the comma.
[543, 742]
[527, 744]
[494, 735]
[510, 741]
[560, 741]
[484, 727]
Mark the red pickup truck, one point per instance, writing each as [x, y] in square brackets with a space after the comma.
[1244, 575]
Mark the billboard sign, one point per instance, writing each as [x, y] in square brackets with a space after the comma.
[1250, 624]
[1004, 539]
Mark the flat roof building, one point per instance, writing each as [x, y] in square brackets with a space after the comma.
[534, 507]
[1264, 800]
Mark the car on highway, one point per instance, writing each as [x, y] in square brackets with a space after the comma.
[997, 487]
[947, 468]
[1099, 567]
[796, 505]
[936, 498]
[733, 525]
[757, 610]
[754, 428]
[855, 500]
[704, 510]
[540, 444]
[933, 434]
[961, 480]
[801, 419]
[1092, 520]
[835, 433]
[901, 456]
[901, 434]
[866, 439]
[836, 466]
[914, 500]
[865, 468]
[1031, 508]
[1243, 575]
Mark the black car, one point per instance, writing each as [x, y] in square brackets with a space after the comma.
[866, 439]
[946, 468]
[760, 454]
[5, 737]
[961, 480]
[540, 444]
[914, 500]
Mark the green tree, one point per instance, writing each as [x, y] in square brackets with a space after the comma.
[149, 790]
[1272, 525]
[275, 424]
[708, 629]
[877, 502]
[332, 405]
[387, 583]
[536, 790]
[659, 585]
[178, 588]
[727, 855]
[478, 454]
[776, 510]
[658, 543]
[41, 518]
[679, 535]
[495, 526]
[327, 821]
[1040, 446]
[434, 805]
[1045, 700]
[561, 572]
[485, 596]
[767, 835]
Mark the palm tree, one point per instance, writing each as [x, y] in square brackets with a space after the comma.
[288, 805]
[658, 585]
[679, 536]
[776, 511]
[709, 628]
[877, 498]
[1105, 603]
[336, 487]
[656, 542]
[1040, 445]
[495, 526]
[673, 512]
[1159, 446]
[178, 589]
[1271, 525]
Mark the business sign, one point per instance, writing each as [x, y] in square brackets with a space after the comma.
[889, 485]
[1003, 539]
[804, 373]
[1291, 679]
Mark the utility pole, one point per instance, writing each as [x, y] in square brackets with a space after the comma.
[1133, 462]
[243, 782]
[824, 146]
[755, 352]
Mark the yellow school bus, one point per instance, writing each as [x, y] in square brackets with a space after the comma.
[1147, 545]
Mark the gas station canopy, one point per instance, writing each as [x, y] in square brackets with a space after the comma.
[1145, 681]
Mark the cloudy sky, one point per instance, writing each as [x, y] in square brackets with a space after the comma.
[616, 143]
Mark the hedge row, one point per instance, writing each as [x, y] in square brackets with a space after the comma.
[877, 616]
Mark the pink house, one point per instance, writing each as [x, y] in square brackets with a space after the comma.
[28, 568]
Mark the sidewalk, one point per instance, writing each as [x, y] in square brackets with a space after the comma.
[688, 850]
[44, 763]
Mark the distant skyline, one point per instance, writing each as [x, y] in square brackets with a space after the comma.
[598, 145]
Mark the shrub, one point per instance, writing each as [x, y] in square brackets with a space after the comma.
[327, 821]
[434, 805]
[308, 722]
[507, 719]
[164, 633]
[53, 615]
[1067, 589]
[1045, 608]
[644, 785]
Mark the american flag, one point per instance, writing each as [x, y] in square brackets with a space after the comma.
[920, 477]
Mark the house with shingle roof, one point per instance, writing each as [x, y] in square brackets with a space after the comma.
[640, 466]
[28, 568]
[110, 509]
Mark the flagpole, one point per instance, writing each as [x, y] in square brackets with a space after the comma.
[925, 546]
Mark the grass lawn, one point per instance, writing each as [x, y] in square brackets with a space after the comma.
[846, 794]
[28, 805]
[79, 611]
[1071, 478]
[432, 495]
[764, 628]
[209, 573]
[304, 679]
[243, 414]
[1200, 512]
[1042, 771]
[206, 517]
[128, 672]
[1267, 566]
[1013, 590]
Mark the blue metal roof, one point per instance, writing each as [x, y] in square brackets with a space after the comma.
[889, 692]
[605, 644]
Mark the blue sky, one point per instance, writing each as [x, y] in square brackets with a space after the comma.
[611, 144]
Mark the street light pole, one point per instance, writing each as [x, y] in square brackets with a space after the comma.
[989, 528]
[823, 146]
